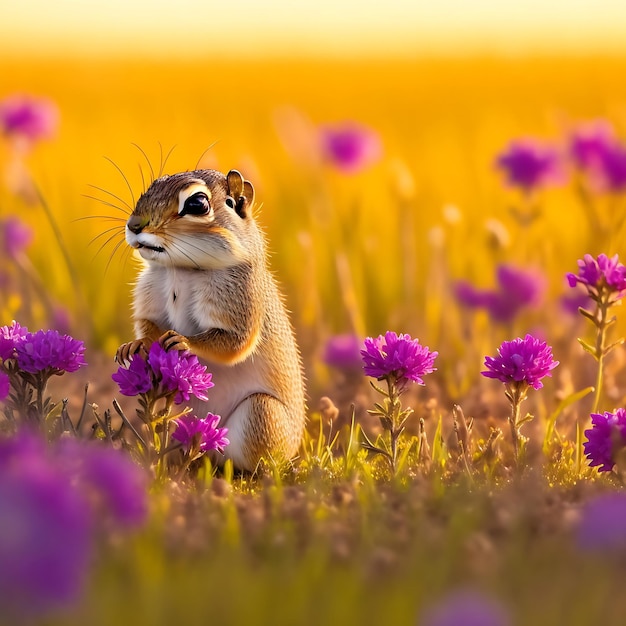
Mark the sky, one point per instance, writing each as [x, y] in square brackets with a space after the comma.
[317, 27]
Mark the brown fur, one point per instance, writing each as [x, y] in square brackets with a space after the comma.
[207, 287]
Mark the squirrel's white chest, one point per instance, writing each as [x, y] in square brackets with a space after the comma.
[182, 302]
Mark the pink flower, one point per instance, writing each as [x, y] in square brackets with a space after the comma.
[49, 350]
[46, 544]
[28, 117]
[602, 275]
[602, 525]
[517, 290]
[9, 336]
[343, 352]
[115, 486]
[172, 372]
[590, 141]
[526, 360]
[134, 379]
[15, 236]
[607, 435]
[530, 165]
[180, 372]
[350, 147]
[202, 433]
[597, 152]
[397, 356]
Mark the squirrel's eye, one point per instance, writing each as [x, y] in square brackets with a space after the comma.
[197, 204]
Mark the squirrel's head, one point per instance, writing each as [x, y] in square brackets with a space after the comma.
[200, 219]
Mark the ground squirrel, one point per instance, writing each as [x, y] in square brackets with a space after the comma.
[206, 286]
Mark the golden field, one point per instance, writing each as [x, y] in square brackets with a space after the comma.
[335, 537]
[365, 252]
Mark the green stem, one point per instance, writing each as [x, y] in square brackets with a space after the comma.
[600, 350]
[394, 410]
[517, 396]
[40, 389]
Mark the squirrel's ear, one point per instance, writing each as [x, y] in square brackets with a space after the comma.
[241, 191]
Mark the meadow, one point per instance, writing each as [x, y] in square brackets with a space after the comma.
[464, 528]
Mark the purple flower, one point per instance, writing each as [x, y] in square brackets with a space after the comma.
[604, 274]
[8, 338]
[5, 386]
[606, 436]
[350, 147]
[193, 431]
[45, 544]
[470, 296]
[397, 356]
[571, 302]
[134, 379]
[180, 372]
[49, 350]
[530, 165]
[115, 486]
[610, 173]
[343, 352]
[15, 236]
[466, 607]
[525, 360]
[166, 372]
[590, 141]
[597, 152]
[524, 287]
[516, 289]
[28, 117]
[602, 524]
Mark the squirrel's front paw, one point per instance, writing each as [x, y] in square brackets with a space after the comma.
[127, 350]
[171, 340]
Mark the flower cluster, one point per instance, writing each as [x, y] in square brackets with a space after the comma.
[398, 357]
[171, 374]
[201, 434]
[593, 150]
[605, 438]
[516, 290]
[603, 276]
[28, 360]
[526, 360]
[56, 501]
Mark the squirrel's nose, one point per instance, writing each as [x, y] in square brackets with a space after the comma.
[135, 224]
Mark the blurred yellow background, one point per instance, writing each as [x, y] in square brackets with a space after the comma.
[243, 85]
[324, 27]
